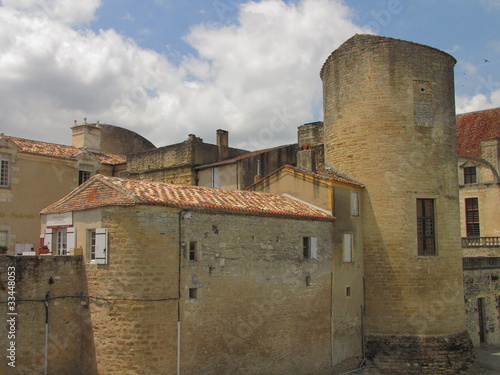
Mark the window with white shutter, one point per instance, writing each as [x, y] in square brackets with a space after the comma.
[347, 247]
[101, 246]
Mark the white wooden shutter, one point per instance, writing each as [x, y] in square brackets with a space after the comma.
[47, 238]
[354, 203]
[216, 177]
[101, 245]
[314, 247]
[71, 239]
[347, 247]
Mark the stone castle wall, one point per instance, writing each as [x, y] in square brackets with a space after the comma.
[60, 280]
[390, 123]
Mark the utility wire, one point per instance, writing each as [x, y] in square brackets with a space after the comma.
[95, 298]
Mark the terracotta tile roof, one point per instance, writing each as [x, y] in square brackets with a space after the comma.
[61, 151]
[322, 174]
[474, 126]
[100, 191]
[244, 156]
[329, 175]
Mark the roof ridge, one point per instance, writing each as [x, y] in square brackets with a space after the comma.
[108, 180]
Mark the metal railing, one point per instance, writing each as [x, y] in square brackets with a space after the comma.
[480, 241]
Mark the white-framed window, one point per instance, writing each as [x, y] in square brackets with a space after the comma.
[310, 247]
[4, 172]
[97, 245]
[347, 243]
[61, 241]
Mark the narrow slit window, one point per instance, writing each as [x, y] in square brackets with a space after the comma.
[426, 230]
[192, 251]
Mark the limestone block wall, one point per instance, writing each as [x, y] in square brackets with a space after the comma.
[390, 123]
[259, 307]
[134, 316]
[61, 280]
[482, 281]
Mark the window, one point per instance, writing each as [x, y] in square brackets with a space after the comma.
[426, 227]
[3, 238]
[91, 244]
[97, 245]
[348, 291]
[192, 250]
[354, 203]
[193, 293]
[4, 173]
[309, 247]
[347, 247]
[61, 242]
[470, 176]
[83, 175]
[472, 217]
[216, 177]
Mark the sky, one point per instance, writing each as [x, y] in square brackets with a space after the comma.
[169, 68]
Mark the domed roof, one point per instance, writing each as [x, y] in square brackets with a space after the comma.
[123, 141]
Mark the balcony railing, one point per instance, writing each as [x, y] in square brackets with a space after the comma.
[480, 241]
[478, 263]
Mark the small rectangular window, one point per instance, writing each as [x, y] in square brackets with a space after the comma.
[472, 217]
[3, 238]
[347, 247]
[470, 176]
[91, 244]
[354, 203]
[309, 247]
[193, 293]
[426, 227]
[216, 177]
[192, 251]
[4, 173]
[83, 175]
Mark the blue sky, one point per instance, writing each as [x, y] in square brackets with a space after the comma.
[168, 68]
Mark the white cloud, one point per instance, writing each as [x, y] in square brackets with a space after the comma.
[66, 11]
[258, 79]
[478, 102]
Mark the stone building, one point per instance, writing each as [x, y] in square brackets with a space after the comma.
[345, 250]
[479, 170]
[35, 174]
[206, 280]
[176, 163]
[389, 122]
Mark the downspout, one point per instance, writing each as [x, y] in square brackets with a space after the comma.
[179, 295]
[46, 350]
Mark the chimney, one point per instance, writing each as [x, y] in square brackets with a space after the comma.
[490, 151]
[258, 176]
[306, 158]
[87, 136]
[222, 142]
[222, 138]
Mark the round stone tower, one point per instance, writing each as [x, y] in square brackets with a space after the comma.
[389, 122]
